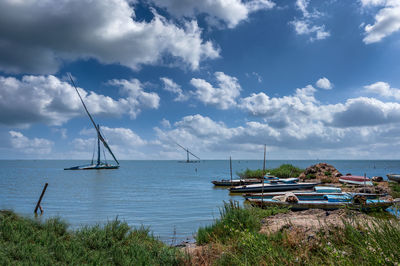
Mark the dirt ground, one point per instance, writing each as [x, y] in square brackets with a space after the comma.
[309, 221]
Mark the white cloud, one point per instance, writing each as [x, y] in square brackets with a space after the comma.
[383, 89]
[25, 145]
[387, 21]
[372, 2]
[171, 86]
[47, 99]
[305, 25]
[224, 96]
[324, 83]
[36, 36]
[137, 97]
[231, 12]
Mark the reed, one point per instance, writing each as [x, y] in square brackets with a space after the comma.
[26, 241]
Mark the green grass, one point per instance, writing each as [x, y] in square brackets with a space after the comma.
[395, 189]
[237, 241]
[233, 221]
[283, 171]
[26, 241]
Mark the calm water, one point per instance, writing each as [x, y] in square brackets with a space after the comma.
[173, 198]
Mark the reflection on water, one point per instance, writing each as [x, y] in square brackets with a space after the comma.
[174, 199]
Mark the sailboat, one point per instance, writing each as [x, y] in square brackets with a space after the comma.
[187, 155]
[98, 165]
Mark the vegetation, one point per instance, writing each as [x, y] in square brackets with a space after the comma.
[24, 241]
[395, 189]
[283, 171]
[234, 239]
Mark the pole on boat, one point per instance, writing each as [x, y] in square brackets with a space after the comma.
[265, 151]
[365, 178]
[230, 164]
[40, 199]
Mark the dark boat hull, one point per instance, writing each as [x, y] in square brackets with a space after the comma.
[272, 188]
[94, 167]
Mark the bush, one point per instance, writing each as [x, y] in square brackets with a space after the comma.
[310, 176]
[328, 173]
[283, 171]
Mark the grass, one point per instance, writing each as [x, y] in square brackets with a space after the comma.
[395, 189]
[26, 241]
[283, 171]
[236, 240]
[233, 221]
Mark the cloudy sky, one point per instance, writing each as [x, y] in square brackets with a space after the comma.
[311, 79]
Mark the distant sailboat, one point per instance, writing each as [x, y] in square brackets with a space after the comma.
[99, 165]
[187, 155]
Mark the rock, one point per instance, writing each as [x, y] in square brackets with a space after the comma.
[377, 179]
[321, 171]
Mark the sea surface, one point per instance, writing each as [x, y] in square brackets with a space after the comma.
[171, 198]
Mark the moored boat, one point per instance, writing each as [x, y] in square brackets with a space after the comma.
[394, 177]
[273, 186]
[370, 204]
[243, 181]
[311, 195]
[355, 180]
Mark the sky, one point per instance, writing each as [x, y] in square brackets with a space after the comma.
[310, 79]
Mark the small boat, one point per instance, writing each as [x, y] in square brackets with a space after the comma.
[311, 195]
[394, 177]
[99, 165]
[355, 180]
[326, 204]
[273, 186]
[241, 182]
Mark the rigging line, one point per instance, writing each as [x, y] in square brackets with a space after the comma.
[187, 150]
[91, 119]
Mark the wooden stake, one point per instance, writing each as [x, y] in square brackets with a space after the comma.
[40, 199]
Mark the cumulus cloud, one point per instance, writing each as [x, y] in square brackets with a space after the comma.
[223, 96]
[36, 36]
[387, 20]
[383, 89]
[324, 83]
[305, 25]
[171, 86]
[30, 146]
[47, 99]
[231, 12]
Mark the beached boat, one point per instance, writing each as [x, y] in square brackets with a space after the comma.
[355, 180]
[394, 177]
[273, 186]
[99, 165]
[370, 204]
[311, 195]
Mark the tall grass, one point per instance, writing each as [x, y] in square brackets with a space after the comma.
[234, 220]
[283, 171]
[25, 241]
[358, 242]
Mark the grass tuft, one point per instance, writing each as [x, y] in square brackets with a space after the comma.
[283, 171]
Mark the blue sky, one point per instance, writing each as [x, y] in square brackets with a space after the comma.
[311, 79]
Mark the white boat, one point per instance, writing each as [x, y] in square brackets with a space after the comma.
[394, 177]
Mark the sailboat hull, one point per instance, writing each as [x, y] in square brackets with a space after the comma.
[93, 167]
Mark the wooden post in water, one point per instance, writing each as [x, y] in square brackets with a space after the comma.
[40, 199]
[230, 164]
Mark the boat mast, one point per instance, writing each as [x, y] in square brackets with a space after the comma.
[187, 152]
[187, 155]
[98, 145]
[91, 119]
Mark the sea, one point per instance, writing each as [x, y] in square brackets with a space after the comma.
[171, 198]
